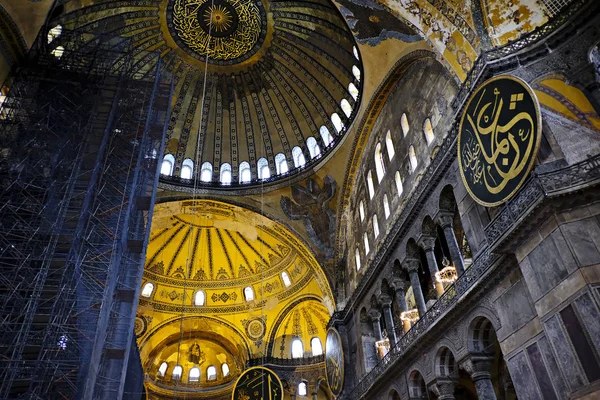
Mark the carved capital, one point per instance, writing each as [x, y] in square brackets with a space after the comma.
[467, 366]
[385, 300]
[411, 264]
[445, 387]
[374, 314]
[426, 242]
[444, 218]
[478, 366]
[399, 284]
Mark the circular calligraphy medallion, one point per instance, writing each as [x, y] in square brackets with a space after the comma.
[498, 139]
[221, 32]
[334, 361]
[140, 327]
[256, 329]
[258, 383]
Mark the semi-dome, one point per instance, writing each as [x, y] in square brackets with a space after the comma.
[263, 89]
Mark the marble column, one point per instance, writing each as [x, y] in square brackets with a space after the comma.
[375, 316]
[412, 267]
[386, 307]
[445, 219]
[427, 243]
[479, 367]
[444, 388]
[400, 286]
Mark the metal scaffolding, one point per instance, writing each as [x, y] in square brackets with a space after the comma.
[80, 139]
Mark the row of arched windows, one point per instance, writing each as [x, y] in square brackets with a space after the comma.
[380, 170]
[298, 347]
[194, 373]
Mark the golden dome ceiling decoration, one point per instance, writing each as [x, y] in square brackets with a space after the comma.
[264, 89]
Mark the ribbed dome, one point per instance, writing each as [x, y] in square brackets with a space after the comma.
[282, 81]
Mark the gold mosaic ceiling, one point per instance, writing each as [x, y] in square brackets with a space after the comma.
[253, 78]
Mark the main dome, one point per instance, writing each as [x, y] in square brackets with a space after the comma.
[263, 89]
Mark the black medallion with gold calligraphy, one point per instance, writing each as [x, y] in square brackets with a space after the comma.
[334, 361]
[498, 139]
[258, 383]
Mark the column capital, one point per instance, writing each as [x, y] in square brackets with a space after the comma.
[399, 284]
[426, 242]
[385, 300]
[478, 366]
[444, 218]
[374, 314]
[411, 264]
[444, 386]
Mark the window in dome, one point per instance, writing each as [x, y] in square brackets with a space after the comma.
[297, 348]
[325, 135]
[346, 108]
[286, 279]
[389, 145]
[316, 346]
[248, 293]
[375, 226]
[206, 172]
[357, 258]
[211, 373]
[263, 169]
[147, 290]
[245, 172]
[366, 240]
[58, 52]
[399, 187]
[225, 177]
[404, 124]
[356, 72]
[379, 165]
[166, 168]
[313, 147]
[370, 185]
[194, 375]
[337, 121]
[355, 51]
[386, 206]
[177, 372]
[353, 91]
[187, 169]
[298, 156]
[413, 158]
[281, 164]
[225, 369]
[199, 298]
[162, 370]
[54, 33]
[361, 210]
[428, 130]
[302, 391]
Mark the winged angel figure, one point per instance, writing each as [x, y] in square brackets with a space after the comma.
[311, 204]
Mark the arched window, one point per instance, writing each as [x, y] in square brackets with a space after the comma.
[353, 90]
[428, 130]
[245, 172]
[375, 226]
[379, 165]
[281, 164]
[263, 168]
[162, 370]
[355, 51]
[166, 168]
[187, 169]
[54, 33]
[346, 108]
[225, 369]
[356, 72]
[147, 290]
[413, 158]
[313, 147]
[370, 185]
[58, 52]
[325, 135]
[286, 279]
[302, 391]
[404, 124]
[194, 375]
[206, 172]
[337, 121]
[361, 210]
[211, 373]
[357, 258]
[248, 293]
[316, 346]
[389, 145]
[386, 206]
[225, 173]
[366, 240]
[398, 180]
[177, 372]
[199, 298]
[297, 348]
[298, 156]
